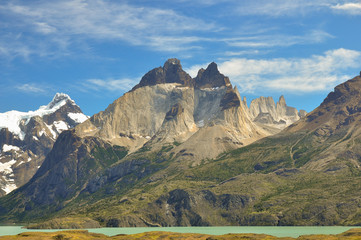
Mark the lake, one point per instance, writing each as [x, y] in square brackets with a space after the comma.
[275, 231]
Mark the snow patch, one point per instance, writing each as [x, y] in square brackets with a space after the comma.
[52, 131]
[168, 86]
[41, 133]
[6, 167]
[35, 138]
[213, 88]
[200, 123]
[148, 137]
[78, 117]
[9, 187]
[60, 126]
[7, 172]
[29, 159]
[8, 148]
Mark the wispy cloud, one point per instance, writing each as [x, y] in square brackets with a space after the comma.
[31, 88]
[55, 28]
[124, 84]
[316, 73]
[242, 52]
[206, 2]
[54, 21]
[353, 8]
[277, 8]
[277, 40]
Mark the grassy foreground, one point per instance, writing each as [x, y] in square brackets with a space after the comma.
[84, 234]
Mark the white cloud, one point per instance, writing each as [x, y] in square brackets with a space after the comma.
[124, 84]
[316, 73]
[193, 70]
[350, 8]
[30, 88]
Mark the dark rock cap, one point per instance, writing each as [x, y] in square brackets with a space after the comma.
[211, 78]
[171, 72]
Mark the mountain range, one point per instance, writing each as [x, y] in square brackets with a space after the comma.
[177, 151]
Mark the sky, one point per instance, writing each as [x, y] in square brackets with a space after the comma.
[97, 50]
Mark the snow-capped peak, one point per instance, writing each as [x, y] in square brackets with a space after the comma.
[59, 100]
[12, 119]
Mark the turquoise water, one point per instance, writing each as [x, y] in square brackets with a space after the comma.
[275, 231]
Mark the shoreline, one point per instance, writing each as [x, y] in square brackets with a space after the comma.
[354, 233]
[281, 231]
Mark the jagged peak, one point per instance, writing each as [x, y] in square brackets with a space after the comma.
[12, 119]
[59, 99]
[263, 99]
[213, 67]
[211, 78]
[171, 72]
[281, 101]
[200, 72]
[172, 61]
[245, 101]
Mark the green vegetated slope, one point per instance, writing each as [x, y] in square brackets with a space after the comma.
[257, 185]
[261, 184]
[308, 174]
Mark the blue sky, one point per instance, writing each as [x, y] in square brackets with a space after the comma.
[97, 50]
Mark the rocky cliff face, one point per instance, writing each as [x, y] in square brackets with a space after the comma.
[274, 116]
[169, 106]
[26, 138]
